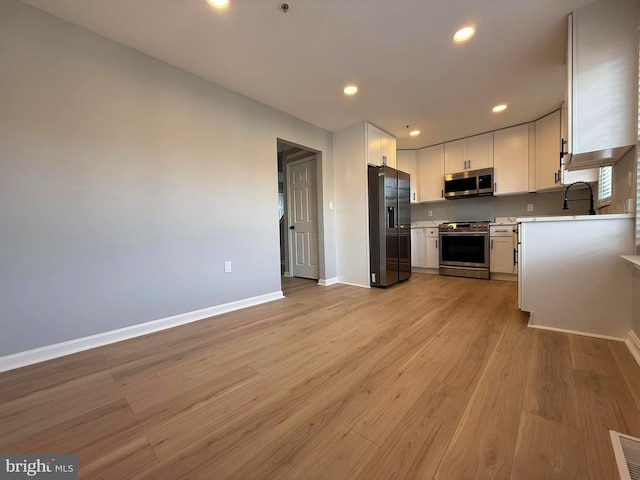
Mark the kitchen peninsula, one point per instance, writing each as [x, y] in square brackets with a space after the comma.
[571, 276]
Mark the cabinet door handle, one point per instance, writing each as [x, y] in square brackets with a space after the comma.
[515, 256]
[555, 177]
[495, 187]
[414, 196]
[469, 163]
[436, 244]
[441, 193]
[492, 244]
[563, 142]
[503, 231]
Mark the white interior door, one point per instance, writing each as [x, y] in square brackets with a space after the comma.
[303, 219]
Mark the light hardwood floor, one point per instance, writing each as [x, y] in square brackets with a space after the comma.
[436, 378]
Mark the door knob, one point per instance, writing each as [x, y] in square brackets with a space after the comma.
[292, 227]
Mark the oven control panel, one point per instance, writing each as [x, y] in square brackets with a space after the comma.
[465, 227]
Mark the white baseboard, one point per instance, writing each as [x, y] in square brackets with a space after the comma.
[49, 352]
[329, 281]
[287, 274]
[353, 284]
[576, 332]
[633, 344]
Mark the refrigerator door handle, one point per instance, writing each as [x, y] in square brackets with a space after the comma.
[391, 214]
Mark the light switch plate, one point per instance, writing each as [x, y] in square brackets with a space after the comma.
[529, 207]
[227, 266]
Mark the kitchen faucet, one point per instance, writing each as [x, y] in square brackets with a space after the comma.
[565, 205]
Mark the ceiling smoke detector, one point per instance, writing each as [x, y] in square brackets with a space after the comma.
[284, 6]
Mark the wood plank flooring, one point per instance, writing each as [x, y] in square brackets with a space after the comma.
[437, 378]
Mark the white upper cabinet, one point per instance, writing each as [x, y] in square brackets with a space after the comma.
[549, 173]
[381, 147]
[431, 169]
[511, 160]
[407, 162]
[470, 153]
[602, 69]
[548, 152]
[589, 175]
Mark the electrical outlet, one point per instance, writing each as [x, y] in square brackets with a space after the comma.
[330, 205]
[227, 266]
[529, 207]
[431, 213]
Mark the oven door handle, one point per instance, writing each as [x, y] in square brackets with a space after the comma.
[455, 234]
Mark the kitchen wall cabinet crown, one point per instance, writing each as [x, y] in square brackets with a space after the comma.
[407, 161]
[381, 147]
[602, 69]
[470, 153]
[511, 160]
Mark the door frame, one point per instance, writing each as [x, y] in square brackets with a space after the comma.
[311, 155]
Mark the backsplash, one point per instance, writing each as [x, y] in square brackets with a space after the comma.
[487, 208]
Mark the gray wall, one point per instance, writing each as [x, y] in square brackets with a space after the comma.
[487, 208]
[125, 184]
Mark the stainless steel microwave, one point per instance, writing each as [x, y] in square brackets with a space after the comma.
[472, 183]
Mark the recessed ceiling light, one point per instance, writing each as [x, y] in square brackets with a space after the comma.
[413, 133]
[464, 34]
[218, 3]
[350, 90]
[499, 108]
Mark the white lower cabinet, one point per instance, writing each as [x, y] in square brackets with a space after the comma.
[432, 248]
[503, 249]
[425, 248]
[417, 248]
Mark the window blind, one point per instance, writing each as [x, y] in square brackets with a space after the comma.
[605, 185]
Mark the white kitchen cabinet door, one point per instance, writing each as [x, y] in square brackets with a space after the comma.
[407, 162]
[381, 147]
[455, 156]
[480, 151]
[432, 248]
[511, 160]
[588, 175]
[602, 77]
[388, 149]
[374, 145]
[548, 174]
[501, 255]
[417, 247]
[470, 153]
[431, 171]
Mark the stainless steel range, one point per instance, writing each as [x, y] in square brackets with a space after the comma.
[464, 249]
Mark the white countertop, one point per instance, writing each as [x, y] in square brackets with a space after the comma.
[428, 223]
[570, 218]
[635, 259]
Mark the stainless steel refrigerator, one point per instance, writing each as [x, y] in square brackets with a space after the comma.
[389, 226]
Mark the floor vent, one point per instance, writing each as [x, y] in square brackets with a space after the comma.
[627, 451]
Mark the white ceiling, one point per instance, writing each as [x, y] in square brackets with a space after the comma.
[399, 52]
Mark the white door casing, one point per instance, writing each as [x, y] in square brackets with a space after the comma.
[303, 217]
